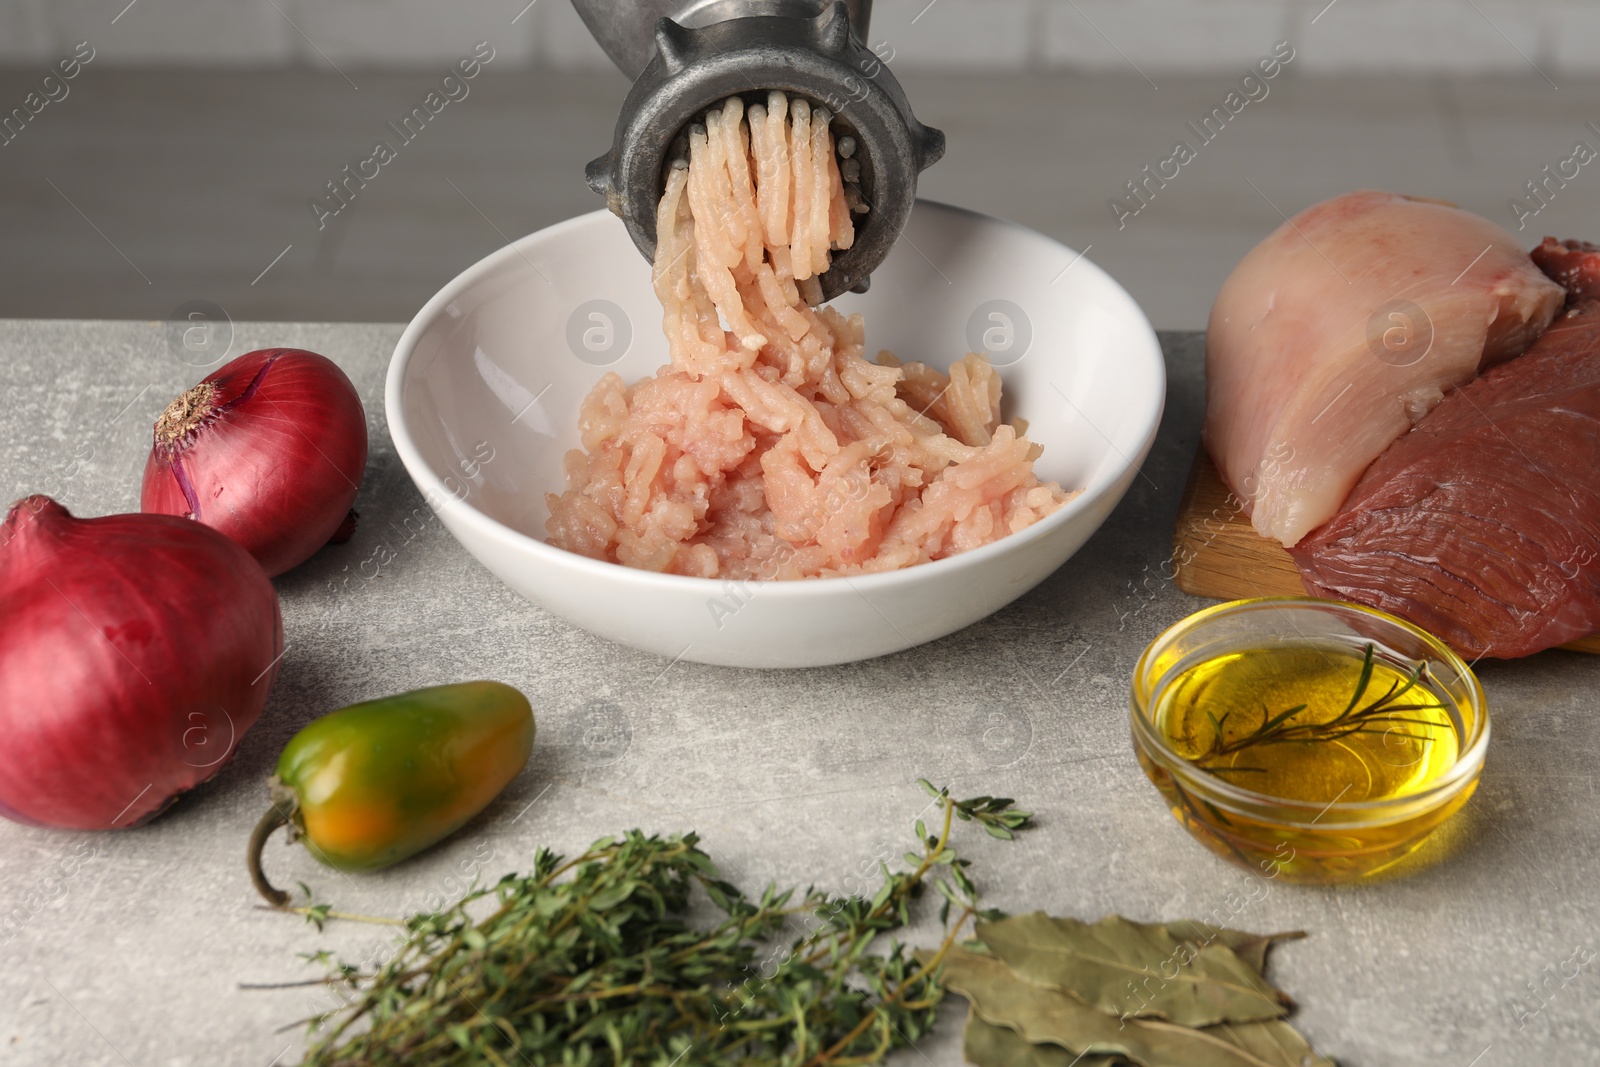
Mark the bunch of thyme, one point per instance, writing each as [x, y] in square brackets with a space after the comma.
[591, 960]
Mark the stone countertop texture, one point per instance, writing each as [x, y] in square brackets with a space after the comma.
[128, 948]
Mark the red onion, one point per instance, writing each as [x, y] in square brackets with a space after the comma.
[135, 651]
[269, 449]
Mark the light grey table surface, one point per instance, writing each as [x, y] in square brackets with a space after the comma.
[128, 948]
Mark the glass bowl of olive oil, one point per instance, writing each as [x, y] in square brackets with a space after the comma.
[1308, 739]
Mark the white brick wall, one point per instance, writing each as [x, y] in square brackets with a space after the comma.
[1574, 40]
[1422, 36]
[410, 32]
[185, 33]
[562, 41]
[954, 34]
[24, 32]
[1402, 37]
[1161, 35]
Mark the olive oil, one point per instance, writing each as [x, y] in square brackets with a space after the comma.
[1318, 723]
[1308, 740]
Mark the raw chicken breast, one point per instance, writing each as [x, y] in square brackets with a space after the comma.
[1483, 523]
[1342, 329]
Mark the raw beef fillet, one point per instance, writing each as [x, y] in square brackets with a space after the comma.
[1343, 328]
[1482, 524]
[1575, 265]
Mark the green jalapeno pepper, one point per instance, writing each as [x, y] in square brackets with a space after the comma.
[371, 784]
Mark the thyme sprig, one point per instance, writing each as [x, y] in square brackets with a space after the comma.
[591, 960]
[1377, 717]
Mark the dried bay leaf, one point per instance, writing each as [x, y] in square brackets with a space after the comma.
[1039, 1014]
[1251, 948]
[1271, 1042]
[1135, 969]
[988, 1045]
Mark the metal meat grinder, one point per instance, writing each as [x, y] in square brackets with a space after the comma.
[685, 56]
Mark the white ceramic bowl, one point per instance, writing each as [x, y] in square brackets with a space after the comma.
[484, 389]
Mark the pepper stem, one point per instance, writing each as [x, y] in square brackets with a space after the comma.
[273, 818]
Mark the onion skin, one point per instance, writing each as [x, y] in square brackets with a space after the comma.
[269, 449]
[135, 651]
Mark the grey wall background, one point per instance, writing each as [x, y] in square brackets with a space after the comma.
[1394, 37]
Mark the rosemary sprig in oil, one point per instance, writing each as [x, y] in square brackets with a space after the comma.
[1380, 716]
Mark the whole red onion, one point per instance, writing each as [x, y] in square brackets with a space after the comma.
[135, 651]
[269, 449]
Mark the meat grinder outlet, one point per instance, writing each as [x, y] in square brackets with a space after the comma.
[687, 55]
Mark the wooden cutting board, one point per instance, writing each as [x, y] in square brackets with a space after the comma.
[1217, 553]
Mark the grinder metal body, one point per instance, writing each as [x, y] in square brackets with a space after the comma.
[688, 55]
